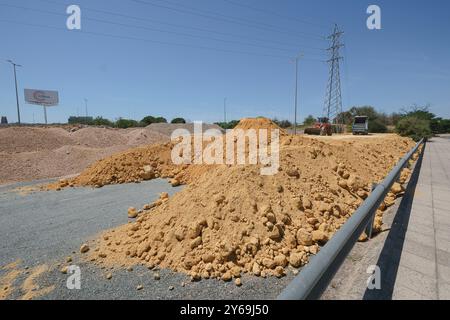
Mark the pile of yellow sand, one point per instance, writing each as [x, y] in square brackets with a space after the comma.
[231, 220]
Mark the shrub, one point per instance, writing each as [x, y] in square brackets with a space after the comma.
[100, 121]
[228, 125]
[126, 123]
[285, 124]
[376, 126]
[414, 127]
[309, 120]
[80, 120]
[178, 120]
[150, 119]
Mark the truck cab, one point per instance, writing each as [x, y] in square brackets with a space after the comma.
[360, 125]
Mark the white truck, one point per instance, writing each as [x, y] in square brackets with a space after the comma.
[360, 125]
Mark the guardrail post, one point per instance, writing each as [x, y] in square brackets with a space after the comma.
[369, 228]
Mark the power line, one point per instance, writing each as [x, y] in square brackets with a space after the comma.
[275, 13]
[227, 16]
[229, 19]
[149, 40]
[151, 29]
[188, 27]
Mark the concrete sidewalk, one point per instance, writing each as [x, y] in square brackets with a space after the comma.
[423, 271]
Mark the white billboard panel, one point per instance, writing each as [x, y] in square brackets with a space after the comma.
[42, 97]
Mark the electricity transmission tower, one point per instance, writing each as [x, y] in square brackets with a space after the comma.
[333, 97]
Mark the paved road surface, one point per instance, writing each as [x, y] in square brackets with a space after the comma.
[46, 227]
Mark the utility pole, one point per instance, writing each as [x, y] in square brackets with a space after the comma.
[333, 98]
[17, 92]
[225, 110]
[86, 106]
[297, 58]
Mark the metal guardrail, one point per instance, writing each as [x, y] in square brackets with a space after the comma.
[314, 278]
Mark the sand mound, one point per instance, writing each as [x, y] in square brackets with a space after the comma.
[167, 128]
[231, 220]
[259, 123]
[25, 139]
[144, 136]
[98, 137]
[29, 153]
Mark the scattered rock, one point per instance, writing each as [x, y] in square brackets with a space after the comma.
[226, 276]
[293, 173]
[84, 248]
[280, 260]
[279, 272]
[304, 238]
[132, 213]
[396, 188]
[295, 259]
[319, 236]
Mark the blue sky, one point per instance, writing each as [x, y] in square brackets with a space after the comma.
[132, 70]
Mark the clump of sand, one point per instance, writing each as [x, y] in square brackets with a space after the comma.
[259, 123]
[231, 220]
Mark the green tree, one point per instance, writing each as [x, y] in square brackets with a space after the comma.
[285, 124]
[160, 120]
[80, 120]
[414, 127]
[178, 120]
[377, 126]
[228, 125]
[150, 119]
[100, 121]
[420, 112]
[126, 123]
[309, 120]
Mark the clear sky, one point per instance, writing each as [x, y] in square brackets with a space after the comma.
[181, 58]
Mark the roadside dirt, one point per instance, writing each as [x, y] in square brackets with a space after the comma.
[30, 153]
[231, 220]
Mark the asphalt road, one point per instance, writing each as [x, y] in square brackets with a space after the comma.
[46, 227]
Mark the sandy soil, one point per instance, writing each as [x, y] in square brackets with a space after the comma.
[30, 153]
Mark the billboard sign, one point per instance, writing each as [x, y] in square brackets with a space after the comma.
[42, 97]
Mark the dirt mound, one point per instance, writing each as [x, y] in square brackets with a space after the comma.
[231, 220]
[259, 123]
[25, 139]
[144, 136]
[98, 137]
[167, 128]
[29, 153]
